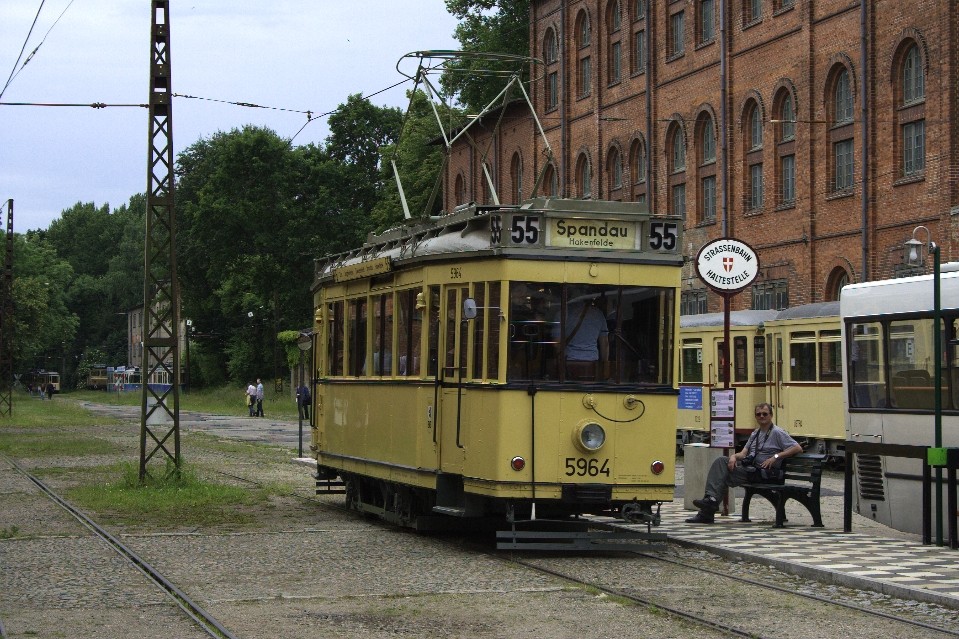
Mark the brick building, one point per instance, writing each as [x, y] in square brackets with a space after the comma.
[820, 132]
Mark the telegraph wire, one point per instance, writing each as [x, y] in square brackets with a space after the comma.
[14, 72]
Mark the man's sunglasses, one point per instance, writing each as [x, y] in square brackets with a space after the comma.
[762, 414]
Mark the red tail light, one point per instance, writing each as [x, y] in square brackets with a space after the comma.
[517, 463]
[657, 467]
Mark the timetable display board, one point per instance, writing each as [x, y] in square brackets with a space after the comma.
[722, 418]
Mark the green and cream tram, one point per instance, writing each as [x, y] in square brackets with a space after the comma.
[443, 378]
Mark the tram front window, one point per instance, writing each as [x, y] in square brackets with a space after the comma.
[579, 333]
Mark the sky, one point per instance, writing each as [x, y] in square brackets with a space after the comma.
[289, 55]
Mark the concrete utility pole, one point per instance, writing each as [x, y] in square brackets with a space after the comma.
[6, 323]
[160, 409]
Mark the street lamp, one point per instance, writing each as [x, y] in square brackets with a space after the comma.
[916, 256]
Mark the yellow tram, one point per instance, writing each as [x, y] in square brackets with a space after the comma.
[445, 379]
[789, 358]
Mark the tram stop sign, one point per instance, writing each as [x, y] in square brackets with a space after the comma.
[727, 265]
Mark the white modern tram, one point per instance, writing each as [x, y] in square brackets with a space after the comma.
[889, 386]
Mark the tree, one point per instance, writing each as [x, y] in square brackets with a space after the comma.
[42, 323]
[487, 26]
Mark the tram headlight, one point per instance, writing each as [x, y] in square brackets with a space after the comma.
[589, 436]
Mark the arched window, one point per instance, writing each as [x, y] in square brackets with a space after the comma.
[841, 134]
[676, 143]
[637, 169]
[614, 53]
[460, 189]
[706, 138]
[614, 167]
[753, 158]
[516, 177]
[584, 177]
[551, 181]
[785, 169]
[837, 279]
[843, 98]
[584, 69]
[551, 55]
[910, 116]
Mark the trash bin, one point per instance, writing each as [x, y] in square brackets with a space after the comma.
[697, 458]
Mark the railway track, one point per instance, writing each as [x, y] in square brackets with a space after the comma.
[209, 624]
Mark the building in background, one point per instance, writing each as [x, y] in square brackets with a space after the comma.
[820, 132]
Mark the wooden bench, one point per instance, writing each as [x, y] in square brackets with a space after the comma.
[803, 475]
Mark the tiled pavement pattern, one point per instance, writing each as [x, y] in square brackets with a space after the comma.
[898, 567]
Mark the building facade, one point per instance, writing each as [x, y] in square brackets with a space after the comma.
[820, 132]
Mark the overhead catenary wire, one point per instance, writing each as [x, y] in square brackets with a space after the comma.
[14, 72]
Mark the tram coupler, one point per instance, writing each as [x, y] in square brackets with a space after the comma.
[637, 513]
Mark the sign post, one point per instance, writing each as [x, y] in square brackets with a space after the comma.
[727, 266]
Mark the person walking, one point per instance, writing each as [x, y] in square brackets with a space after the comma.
[259, 397]
[303, 400]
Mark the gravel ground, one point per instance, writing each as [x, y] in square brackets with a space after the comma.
[302, 570]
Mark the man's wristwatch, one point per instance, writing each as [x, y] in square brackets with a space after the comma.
[776, 456]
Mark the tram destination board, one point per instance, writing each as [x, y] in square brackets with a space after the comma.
[536, 229]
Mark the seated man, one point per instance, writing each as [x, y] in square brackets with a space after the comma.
[767, 446]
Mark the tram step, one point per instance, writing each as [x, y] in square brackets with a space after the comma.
[451, 511]
[591, 541]
[330, 487]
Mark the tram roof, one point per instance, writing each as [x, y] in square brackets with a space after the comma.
[806, 311]
[469, 230]
[736, 318]
[900, 295]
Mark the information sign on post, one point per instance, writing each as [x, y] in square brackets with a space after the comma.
[722, 418]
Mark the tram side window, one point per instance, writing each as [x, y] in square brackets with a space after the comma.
[356, 334]
[433, 313]
[692, 365]
[492, 346]
[830, 356]
[409, 328]
[740, 360]
[802, 356]
[534, 330]
[866, 381]
[759, 359]
[382, 309]
[336, 338]
[479, 329]
[911, 364]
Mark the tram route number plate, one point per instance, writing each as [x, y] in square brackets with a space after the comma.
[582, 467]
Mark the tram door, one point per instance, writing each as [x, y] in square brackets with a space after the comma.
[452, 414]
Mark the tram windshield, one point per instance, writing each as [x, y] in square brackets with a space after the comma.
[580, 333]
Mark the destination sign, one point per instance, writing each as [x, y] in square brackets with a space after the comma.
[592, 234]
[360, 270]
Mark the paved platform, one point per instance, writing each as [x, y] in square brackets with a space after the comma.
[876, 558]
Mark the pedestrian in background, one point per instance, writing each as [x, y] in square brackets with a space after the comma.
[303, 400]
[259, 397]
[251, 399]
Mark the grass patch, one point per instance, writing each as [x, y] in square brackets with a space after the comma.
[9, 533]
[174, 501]
[53, 445]
[225, 400]
[30, 412]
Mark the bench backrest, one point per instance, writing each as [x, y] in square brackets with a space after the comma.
[806, 467]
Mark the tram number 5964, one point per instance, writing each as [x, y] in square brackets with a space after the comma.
[663, 235]
[582, 467]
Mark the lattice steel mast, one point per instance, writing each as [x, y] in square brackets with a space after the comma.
[6, 322]
[161, 298]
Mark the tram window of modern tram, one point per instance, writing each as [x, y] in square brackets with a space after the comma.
[866, 381]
